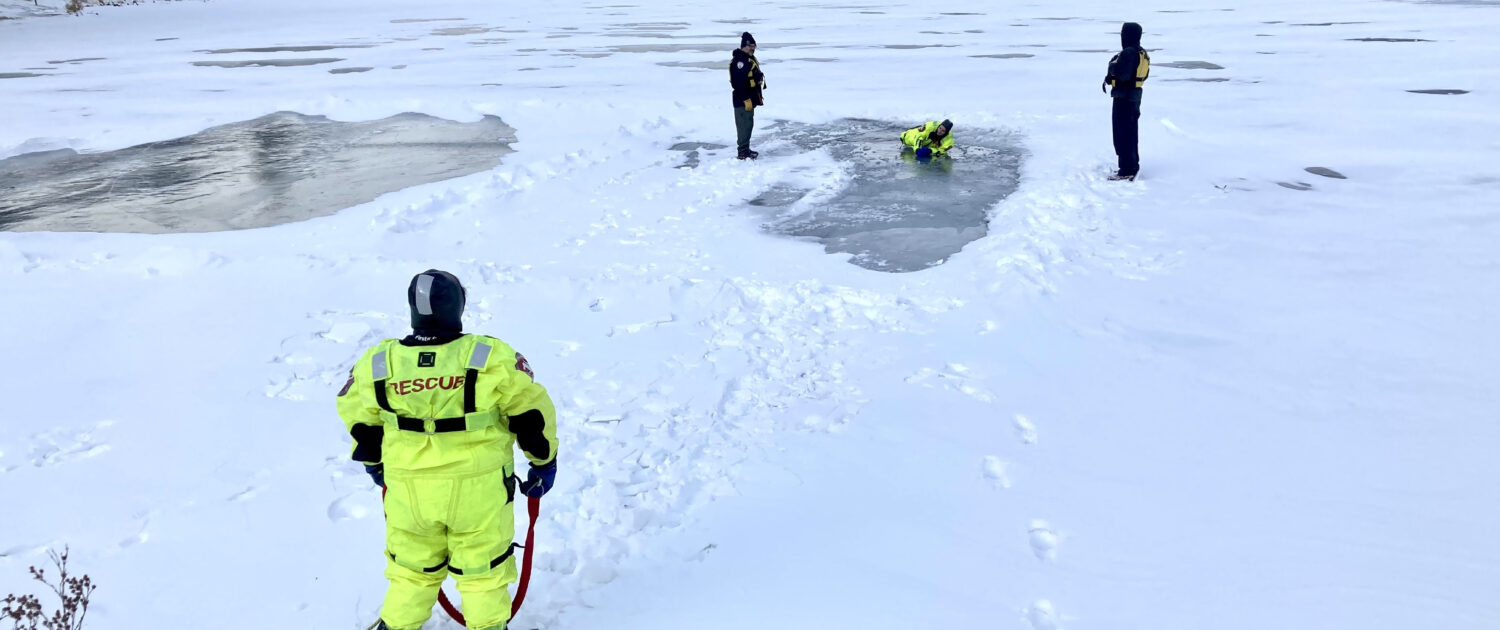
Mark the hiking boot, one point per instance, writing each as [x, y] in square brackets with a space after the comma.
[1122, 177]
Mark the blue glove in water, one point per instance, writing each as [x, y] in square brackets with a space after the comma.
[377, 473]
[539, 480]
[924, 152]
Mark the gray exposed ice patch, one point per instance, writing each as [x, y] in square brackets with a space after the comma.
[892, 211]
[280, 63]
[350, 70]
[1325, 172]
[1439, 91]
[1191, 65]
[78, 60]
[705, 65]
[691, 160]
[462, 30]
[19, 75]
[275, 169]
[1295, 185]
[1386, 39]
[276, 49]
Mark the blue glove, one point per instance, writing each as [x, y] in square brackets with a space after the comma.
[924, 152]
[376, 473]
[539, 480]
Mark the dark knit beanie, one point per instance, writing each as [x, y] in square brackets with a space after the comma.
[437, 301]
[746, 39]
[946, 124]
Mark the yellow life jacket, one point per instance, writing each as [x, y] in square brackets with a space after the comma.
[1142, 69]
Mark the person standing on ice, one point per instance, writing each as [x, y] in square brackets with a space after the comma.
[748, 82]
[434, 417]
[1127, 74]
[929, 139]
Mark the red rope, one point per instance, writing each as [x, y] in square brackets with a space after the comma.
[533, 507]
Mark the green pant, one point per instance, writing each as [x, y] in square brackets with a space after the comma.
[438, 525]
[744, 122]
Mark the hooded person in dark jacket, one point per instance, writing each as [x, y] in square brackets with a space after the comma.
[748, 81]
[1127, 75]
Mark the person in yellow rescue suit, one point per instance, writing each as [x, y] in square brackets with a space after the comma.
[1127, 75]
[434, 417]
[932, 138]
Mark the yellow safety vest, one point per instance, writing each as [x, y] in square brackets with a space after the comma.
[1142, 69]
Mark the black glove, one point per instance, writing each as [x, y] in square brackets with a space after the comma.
[539, 480]
[376, 473]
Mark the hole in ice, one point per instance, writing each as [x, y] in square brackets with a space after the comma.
[891, 211]
[275, 169]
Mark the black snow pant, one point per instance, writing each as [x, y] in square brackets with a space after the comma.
[1126, 118]
[744, 122]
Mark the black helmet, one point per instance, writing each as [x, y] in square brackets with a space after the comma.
[437, 301]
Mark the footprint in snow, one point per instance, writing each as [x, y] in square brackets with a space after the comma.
[1025, 429]
[995, 471]
[1042, 616]
[1043, 540]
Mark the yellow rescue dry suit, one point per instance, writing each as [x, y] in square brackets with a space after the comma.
[443, 420]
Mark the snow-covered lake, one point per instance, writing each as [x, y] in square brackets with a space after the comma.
[1258, 387]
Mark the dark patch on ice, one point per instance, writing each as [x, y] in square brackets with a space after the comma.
[673, 48]
[416, 20]
[488, 42]
[961, 14]
[1327, 23]
[430, 49]
[1325, 172]
[275, 169]
[276, 49]
[650, 26]
[1005, 56]
[350, 70]
[740, 21]
[19, 75]
[1439, 91]
[975, 30]
[280, 63]
[691, 160]
[76, 61]
[1264, 35]
[872, 12]
[1264, 52]
[893, 213]
[453, 31]
[47, 68]
[1059, 19]
[527, 69]
[1386, 39]
[1295, 186]
[702, 65]
[399, 67]
[1275, 22]
[491, 84]
[1191, 65]
[531, 50]
[602, 55]
[85, 90]
[165, 39]
[1028, 45]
